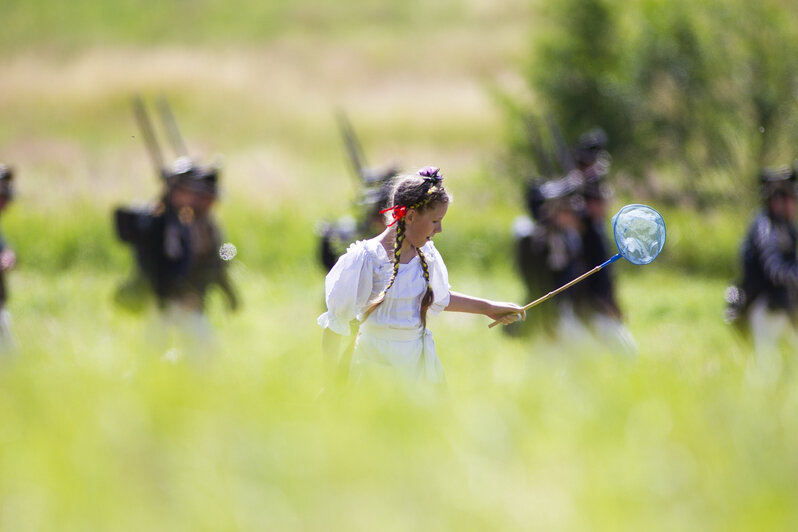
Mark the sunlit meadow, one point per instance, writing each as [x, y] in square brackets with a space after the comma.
[101, 430]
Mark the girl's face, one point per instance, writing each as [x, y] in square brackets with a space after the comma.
[421, 226]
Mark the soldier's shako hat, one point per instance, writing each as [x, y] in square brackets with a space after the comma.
[377, 189]
[187, 174]
[554, 194]
[777, 180]
[590, 146]
[378, 176]
[375, 196]
[6, 181]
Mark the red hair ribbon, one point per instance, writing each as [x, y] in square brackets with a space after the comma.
[398, 213]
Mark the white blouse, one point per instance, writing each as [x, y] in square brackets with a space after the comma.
[364, 271]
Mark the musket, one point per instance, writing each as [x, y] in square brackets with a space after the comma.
[540, 153]
[353, 146]
[150, 142]
[563, 153]
[170, 125]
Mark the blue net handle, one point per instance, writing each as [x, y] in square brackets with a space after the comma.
[610, 260]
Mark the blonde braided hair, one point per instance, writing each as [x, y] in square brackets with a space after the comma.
[418, 192]
[426, 301]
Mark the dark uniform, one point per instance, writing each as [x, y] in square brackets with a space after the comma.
[548, 248]
[177, 242]
[764, 304]
[597, 292]
[770, 270]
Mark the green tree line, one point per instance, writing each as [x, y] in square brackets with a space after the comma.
[694, 96]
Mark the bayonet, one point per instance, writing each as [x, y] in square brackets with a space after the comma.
[148, 134]
[353, 146]
[563, 153]
[170, 125]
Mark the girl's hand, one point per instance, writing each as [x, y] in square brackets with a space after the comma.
[505, 313]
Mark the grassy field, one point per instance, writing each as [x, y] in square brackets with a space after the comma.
[98, 432]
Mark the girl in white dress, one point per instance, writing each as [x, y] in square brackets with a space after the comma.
[388, 294]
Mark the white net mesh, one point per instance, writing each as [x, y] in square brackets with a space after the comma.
[639, 233]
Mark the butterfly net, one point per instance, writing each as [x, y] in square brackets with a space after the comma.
[639, 233]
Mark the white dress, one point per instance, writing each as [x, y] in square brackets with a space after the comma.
[392, 339]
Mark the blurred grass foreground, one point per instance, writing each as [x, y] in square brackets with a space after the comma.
[101, 430]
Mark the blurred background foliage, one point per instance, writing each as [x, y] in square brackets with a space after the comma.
[694, 96]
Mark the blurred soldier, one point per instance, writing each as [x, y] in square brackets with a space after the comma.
[374, 191]
[568, 238]
[595, 300]
[548, 248]
[177, 244]
[7, 259]
[767, 298]
[547, 244]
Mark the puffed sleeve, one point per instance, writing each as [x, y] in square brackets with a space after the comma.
[347, 289]
[438, 278]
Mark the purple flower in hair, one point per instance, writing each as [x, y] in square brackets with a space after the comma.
[432, 173]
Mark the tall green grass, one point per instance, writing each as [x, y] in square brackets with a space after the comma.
[99, 431]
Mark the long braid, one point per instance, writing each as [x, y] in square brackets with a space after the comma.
[426, 301]
[397, 251]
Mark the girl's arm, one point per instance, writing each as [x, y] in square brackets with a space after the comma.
[495, 310]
